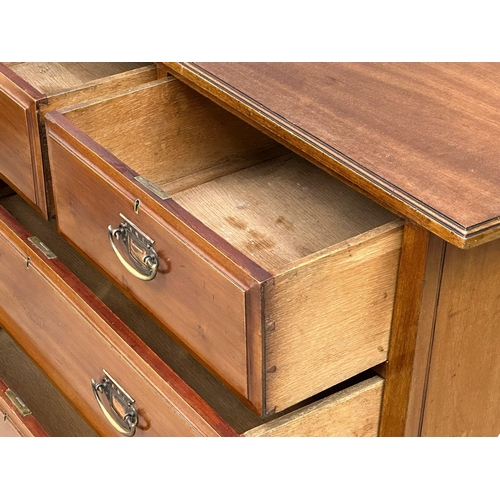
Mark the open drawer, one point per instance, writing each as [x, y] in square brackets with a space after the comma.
[30, 405]
[277, 276]
[90, 354]
[27, 92]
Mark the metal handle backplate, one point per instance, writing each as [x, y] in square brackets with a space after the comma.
[142, 259]
[119, 406]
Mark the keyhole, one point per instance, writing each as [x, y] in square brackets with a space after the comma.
[137, 204]
[5, 416]
[28, 260]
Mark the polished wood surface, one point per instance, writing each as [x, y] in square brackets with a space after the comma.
[404, 329]
[72, 336]
[463, 387]
[20, 149]
[227, 405]
[421, 138]
[353, 412]
[431, 288]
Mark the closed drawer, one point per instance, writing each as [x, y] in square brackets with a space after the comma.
[27, 92]
[73, 335]
[277, 276]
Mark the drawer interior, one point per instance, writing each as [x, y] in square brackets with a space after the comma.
[52, 77]
[282, 210]
[50, 408]
[224, 402]
[270, 204]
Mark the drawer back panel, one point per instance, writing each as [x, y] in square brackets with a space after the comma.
[172, 135]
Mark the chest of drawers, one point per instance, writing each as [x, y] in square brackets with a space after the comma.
[199, 197]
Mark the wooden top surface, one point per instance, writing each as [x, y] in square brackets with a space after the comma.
[422, 139]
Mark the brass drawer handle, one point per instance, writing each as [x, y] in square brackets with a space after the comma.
[140, 249]
[119, 409]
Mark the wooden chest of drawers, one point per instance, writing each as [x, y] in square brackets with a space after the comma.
[283, 281]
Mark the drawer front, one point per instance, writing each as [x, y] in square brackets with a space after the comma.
[73, 337]
[20, 150]
[12, 423]
[201, 305]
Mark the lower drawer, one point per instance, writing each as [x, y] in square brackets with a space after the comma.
[121, 379]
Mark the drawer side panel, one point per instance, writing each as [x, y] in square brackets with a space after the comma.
[330, 317]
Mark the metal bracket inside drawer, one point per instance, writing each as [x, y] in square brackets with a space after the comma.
[157, 190]
[18, 403]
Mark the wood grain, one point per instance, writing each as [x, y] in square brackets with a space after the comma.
[282, 210]
[405, 323]
[97, 89]
[425, 335]
[51, 77]
[91, 90]
[419, 137]
[463, 393]
[352, 412]
[330, 319]
[52, 413]
[208, 243]
[20, 150]
[172, 135]
[72, 336]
